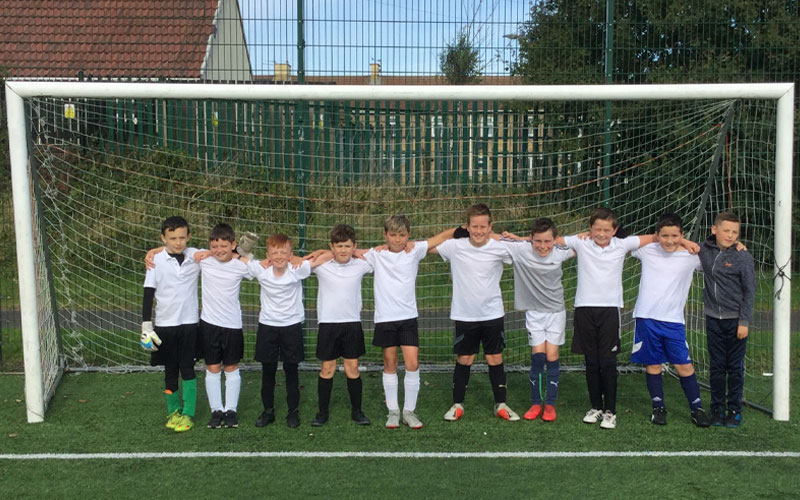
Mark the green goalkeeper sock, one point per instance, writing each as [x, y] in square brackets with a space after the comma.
[189, 397]
[173, 402]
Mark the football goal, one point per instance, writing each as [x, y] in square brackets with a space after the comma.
[96, 167]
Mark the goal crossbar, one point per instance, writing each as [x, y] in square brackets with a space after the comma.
[17, 91]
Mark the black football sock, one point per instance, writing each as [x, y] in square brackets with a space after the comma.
[497, 377]
[460, 382]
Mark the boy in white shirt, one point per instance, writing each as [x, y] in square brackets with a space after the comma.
[476, 265]
[598, 300]
[280, 326]
[396, 313]
[173, 285]
[667, 271]
[538, 291]
[221, 324]
[220, 334]
[339, 314]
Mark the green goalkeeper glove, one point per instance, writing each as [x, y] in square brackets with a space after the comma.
[149, 340]
[247, 242]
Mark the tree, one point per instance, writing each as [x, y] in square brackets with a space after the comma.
[460, 61]
[660, 41]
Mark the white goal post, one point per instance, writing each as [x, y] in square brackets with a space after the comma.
[16, 91]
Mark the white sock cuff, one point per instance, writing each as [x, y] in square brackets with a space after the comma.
[233, 375]
[213, 375]
[412, 376]
[390, 379]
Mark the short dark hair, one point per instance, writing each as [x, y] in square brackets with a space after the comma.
[342, 232]
[542, 225]
[477, 210]
[222, 231]
[726, 217]
[669, 219]
[603, 213]
[278, 240]
[173, 223]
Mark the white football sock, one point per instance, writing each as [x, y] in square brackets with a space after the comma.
[390, 389]
[214, 390]
[411, 387]
[233, 383]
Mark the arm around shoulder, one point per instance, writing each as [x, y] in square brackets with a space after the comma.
[435, 241]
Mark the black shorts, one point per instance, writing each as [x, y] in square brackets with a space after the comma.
[470, 335]
[179, 346]
[596, 332]
[221, 345]
[336, 340]
[396, 333]
[279, 343]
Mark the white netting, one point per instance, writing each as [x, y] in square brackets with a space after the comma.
[111, 170]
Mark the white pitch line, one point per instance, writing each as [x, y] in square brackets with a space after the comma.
[390, 454]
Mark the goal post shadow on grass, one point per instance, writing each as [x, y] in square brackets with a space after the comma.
[446, 150]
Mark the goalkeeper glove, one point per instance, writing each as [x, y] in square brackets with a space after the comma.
[247, 242]
[149, 340]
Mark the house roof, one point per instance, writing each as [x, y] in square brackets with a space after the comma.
[105, 38]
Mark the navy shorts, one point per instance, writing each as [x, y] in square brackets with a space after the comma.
[656, 342]
[396, 333]
[471, 334]
[279, 343]
[336, 340]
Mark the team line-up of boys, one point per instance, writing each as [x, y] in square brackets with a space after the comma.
[178, 334]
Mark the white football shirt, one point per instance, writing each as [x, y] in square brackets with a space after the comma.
[221, 284]
[476, 275]
[600, 270]
[395, 282]
[176, 289]
[281, 296]
[665, 282]
[339, 297]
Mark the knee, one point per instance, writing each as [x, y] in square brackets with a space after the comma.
[351, 369]
[494, 359]
[327, 370]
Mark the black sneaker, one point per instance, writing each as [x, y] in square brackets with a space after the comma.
[293, 419]
[718, 418]
[734, 419]
[216, 420]
[659, 416]
[231, 419]
[358, 417]
[320, 419]
[266, 418]
[699, 418]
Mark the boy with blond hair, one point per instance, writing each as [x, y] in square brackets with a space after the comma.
[396, 313]
[476, 265]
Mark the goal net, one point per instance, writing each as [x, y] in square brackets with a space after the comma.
[108, 162]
